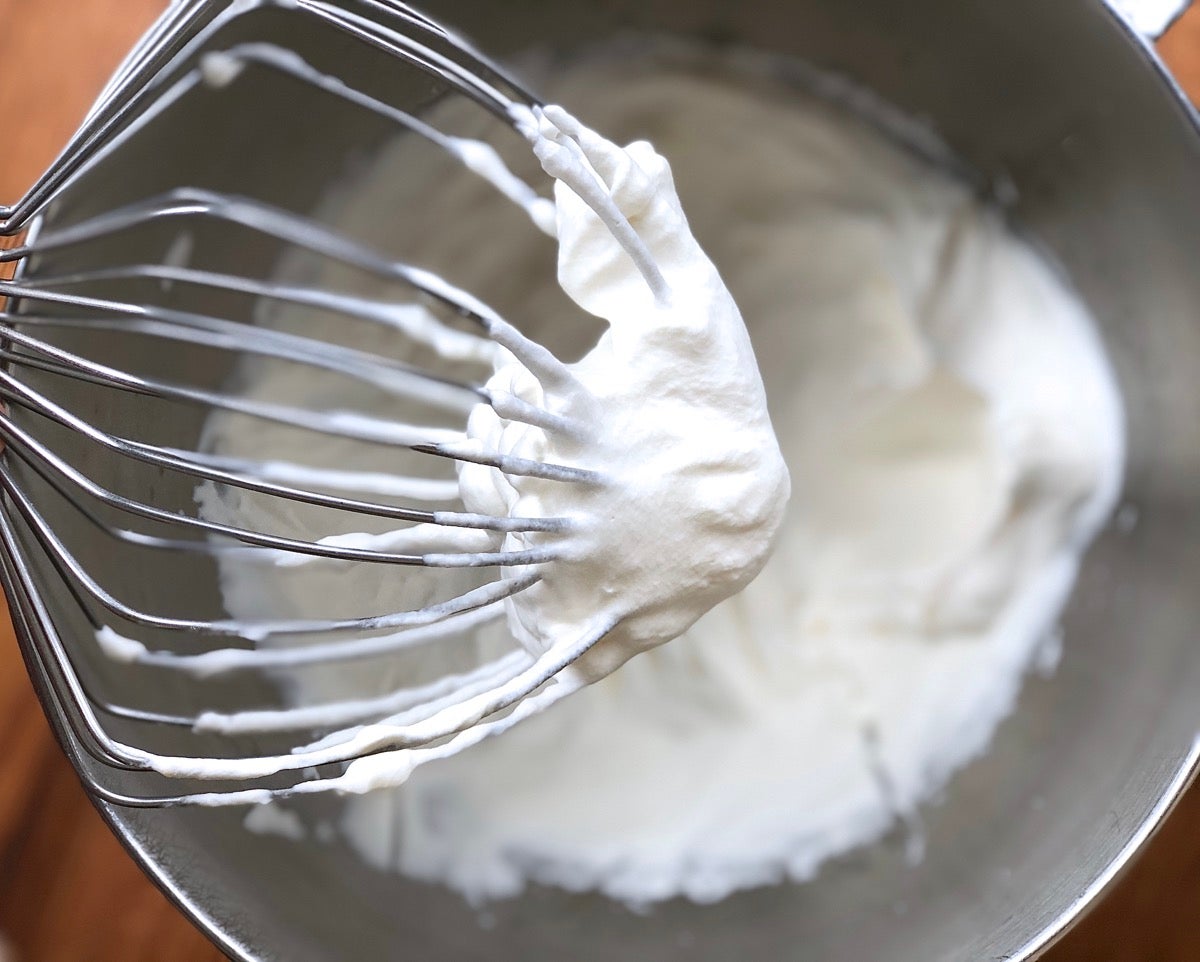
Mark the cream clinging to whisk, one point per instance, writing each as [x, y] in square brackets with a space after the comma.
[668, 409]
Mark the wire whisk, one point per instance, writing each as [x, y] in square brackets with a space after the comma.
[64, 464]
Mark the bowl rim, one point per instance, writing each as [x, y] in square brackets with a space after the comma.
[1188, 772]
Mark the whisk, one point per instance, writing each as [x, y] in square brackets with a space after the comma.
[60, 601]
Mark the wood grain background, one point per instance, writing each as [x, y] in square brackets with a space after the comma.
[68, 892]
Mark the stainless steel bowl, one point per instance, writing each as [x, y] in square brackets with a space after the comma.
[1064, 102]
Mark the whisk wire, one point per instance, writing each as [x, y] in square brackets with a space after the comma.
[187, 28]
[208, 468]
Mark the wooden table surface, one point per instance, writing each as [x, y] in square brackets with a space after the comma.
[68, 892]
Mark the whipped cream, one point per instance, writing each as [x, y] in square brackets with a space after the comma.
[954, 437]
[667, 412]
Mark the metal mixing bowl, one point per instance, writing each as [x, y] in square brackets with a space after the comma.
[1061, 99]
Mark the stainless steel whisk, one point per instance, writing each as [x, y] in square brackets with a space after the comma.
[188, 54]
